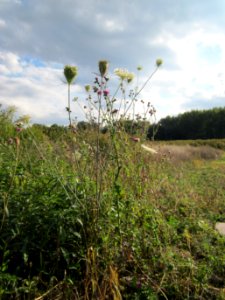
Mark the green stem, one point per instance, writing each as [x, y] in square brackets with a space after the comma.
[69, 111]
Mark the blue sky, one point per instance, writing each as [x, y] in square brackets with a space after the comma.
[39, 37]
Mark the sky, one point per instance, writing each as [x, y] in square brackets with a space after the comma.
[39, 37]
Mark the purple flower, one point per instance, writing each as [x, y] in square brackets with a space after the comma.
[99, 92]
[106, 93]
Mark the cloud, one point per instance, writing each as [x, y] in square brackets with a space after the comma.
[39, 37]
[2, 23]
[37, 91]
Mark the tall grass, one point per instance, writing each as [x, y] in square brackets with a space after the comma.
[92, 215]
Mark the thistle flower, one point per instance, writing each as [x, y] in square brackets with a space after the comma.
[106, 93]
[70, 73]
[159, 62]
[99, 92]
[103, 67]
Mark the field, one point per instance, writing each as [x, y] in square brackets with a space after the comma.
[89, 216]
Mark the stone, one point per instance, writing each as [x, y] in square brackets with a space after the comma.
[220, 227]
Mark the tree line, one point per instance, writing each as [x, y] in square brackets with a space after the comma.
[196, 124]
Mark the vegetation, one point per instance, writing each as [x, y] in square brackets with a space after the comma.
[90, 214]
[196, 124]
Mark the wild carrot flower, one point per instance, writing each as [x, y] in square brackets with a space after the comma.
[123, 74]
[130, 77]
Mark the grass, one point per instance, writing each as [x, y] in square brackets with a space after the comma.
[151, 235]
[91, 214]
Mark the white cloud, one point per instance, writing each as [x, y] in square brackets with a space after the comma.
[199, 72]
[9, 63]
[2, 23]
[188, 35]
[37, 91]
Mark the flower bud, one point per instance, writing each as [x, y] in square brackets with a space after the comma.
[87, 88]
[159, 62]
[106, 93]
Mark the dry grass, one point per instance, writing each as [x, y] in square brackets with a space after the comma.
[178, 153]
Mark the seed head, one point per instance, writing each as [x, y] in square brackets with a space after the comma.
[87, 88]
[103, 66]
[70, 73]
[159, 62]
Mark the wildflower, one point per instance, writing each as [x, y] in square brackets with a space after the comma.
[106, 93]
[99, 92]
[130, 77]
[123, 74]
[159, 62]
[103, 67]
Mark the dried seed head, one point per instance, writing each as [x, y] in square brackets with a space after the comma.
[70, 73]
[103, 66]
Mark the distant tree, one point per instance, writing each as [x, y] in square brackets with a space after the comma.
[196, 124]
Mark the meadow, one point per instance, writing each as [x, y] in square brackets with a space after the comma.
[91, 214]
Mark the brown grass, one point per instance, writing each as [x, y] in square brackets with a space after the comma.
[187, 152]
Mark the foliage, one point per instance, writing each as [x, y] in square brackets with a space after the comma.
[89, 214]
[196, 124]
